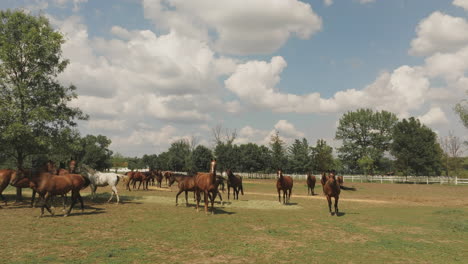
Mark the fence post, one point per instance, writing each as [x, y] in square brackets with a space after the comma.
[456, 180]
[427, 182]
[381, 178]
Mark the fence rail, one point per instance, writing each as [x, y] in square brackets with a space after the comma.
[364, 178]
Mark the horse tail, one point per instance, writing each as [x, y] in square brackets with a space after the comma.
[242, 189]
[347, 188]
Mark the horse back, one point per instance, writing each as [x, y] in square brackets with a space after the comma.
[284, 183]
[204, 181]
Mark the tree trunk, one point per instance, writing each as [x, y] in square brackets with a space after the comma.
[19, 165]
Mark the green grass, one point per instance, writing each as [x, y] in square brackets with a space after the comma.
[418, 224]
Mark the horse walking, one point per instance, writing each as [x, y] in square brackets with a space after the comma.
[234, 182]
[206, 183]
[285, 184]
[5, 177]
[311, 184]
[101, 179]
[185, 183]
[331, 188]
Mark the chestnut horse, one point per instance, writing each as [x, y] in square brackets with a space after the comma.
[311, 184]
[185, 183]
[57, 185]
[71, 168]
[331, 188]
[285, 184]
[5, 178]
[236, 183]
[130, 175]
[206, 183]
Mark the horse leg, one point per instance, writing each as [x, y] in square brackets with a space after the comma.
[81, 202]
[114, 189]
[46, 200]
[32, 198]
[329, 204]
[198, 199]
[3, 198]
[206, 201]
[186, 198]
[229, 190]
[74, 198]
[220, 197]
[112, 195]
[336, 205]
[285, 195]
[279, 195]
[64, 200]
[177, 197]
[289, 196]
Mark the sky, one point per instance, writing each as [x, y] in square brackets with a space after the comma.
[150, 72]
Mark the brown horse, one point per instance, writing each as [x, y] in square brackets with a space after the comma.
[331, 188]
[130, 175]
[206, 183]
[5, 178]
[159, 177]
[141, 177]
[234, 182]
[71, 168]
[285, 184]
[167, 176]
[311, 184]
[185, 183]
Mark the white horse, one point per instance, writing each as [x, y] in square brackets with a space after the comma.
[101, 179]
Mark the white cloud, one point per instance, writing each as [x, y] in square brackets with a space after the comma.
[287, 132]
[255, 83]
[440, 33]
[328, 2]
[241, 27]
[107, 125]
[461, 3]
[366, 1]
[435, 116]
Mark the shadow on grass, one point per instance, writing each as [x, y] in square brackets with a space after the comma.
[102, 198]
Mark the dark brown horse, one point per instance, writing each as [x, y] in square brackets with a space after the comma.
[185, 183]
[331, 188]
[285, 184]
[311, 184]
[206, 183]
[234, 182]
[141, 177]
[70, 170]
[167, 176]
[5, 178]
[159, 177]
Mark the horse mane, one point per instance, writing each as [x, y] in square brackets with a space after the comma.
[88, 169]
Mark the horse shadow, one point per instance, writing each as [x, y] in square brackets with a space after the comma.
[290, 204]
[102, 198]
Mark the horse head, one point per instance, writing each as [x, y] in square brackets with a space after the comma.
[279, 173]
[213, 166]
[171, 179]
[72, 166]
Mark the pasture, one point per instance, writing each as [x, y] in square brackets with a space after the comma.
[396, 223]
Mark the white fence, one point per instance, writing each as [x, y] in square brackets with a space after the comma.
[364, 178]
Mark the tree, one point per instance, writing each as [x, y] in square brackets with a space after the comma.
[33, 105]
[150, 161]
[366, 163]
[278, 152]
[95, 152]
[415, 148]
[253, 158]
[227, 156]
[299, 156]
[119, 161]
[202, 157]
[179, 152]
[452, 148]
[364, 133]
[462, 110]
[322, 156]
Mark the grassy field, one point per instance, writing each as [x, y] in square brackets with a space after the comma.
[392, 223]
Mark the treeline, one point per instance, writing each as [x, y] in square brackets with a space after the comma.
[372, 142]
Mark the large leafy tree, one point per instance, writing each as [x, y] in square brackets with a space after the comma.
[33, 104]
[95, 152]
[253, 158]
[322, 155]
[179, 152]
[416, 149]
[364, 133]
[299, 156]
[150, 161]
[201, 157]
[227, 156]
[462, 110]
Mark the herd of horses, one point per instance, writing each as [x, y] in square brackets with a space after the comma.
[48, 182]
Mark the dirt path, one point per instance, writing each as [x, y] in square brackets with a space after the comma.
[321, 197]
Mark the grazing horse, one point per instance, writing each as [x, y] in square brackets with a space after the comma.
[331, 188]
[236, 183]
[285, 184]
[206, 183]
[185, 183]
[159, 177]
[311, 184]
[139, 177]
[101, 179]
[5, 178]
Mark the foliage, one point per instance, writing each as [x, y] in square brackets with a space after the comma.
[150, 161]
[94, 151]
[366, 163]
[202, 157]
[300, 156]
[322, 156]
[178, 154]
[364, 133]
[34, 110]
[462, 110]
[278, 152]
[253, 158]
[416, 149]
[227, 156]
